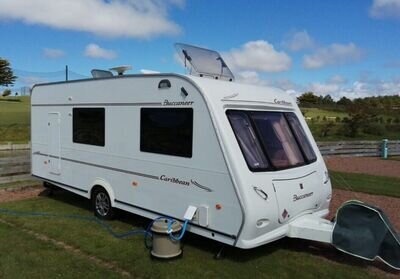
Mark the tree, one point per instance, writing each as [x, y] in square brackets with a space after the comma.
[6, 92]
[360, 116]
[344, 101]
[308, 98]
[327, 100]
[6, 74]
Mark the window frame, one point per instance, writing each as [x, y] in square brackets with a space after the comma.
[189, 109]
[103, 110]
[255, 128]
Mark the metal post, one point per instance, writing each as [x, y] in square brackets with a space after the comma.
[66, 72]
[384, 148]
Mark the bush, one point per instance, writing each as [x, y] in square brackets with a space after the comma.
[6, 92]
[326, 129]
[375, 129]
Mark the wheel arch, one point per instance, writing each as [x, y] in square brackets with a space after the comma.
[100, 182]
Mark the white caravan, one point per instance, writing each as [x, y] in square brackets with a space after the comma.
[156, 144]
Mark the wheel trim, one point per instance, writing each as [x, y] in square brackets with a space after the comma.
[102, 203]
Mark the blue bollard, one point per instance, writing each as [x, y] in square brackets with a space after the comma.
[384, 148]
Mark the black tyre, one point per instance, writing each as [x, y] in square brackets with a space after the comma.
[102, 204]
[48, 185]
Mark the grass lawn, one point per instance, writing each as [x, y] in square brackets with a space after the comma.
[15, 120]
[378, 185]
[22, 256]
[281, 259]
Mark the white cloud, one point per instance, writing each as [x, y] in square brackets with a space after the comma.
[385, 9]
[257, 56]
[250, 77]
[53, 53]
[337, 79]
[95, 51]
[323, 88]
[332, 55]
[299, 41]
[111, 18]
[357, 89]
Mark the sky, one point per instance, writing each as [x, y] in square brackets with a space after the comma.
[337, 47]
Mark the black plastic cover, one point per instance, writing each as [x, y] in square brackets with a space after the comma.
[365, 231]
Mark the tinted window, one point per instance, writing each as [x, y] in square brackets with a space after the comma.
[248, 141]
[279, 142]
[88, 126]
[167, 131]
[271, 140]
[301, 136]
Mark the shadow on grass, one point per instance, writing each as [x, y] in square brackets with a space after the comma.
[320, 250]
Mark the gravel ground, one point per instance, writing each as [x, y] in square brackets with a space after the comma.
[367, 165]
[391, 206]
[8, 195]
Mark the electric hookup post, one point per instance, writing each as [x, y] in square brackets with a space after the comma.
[384, 148]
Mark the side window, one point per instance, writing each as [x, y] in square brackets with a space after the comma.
[301, 136]
[88, 126]
[167, 131]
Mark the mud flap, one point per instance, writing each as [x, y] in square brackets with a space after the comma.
[364, 231]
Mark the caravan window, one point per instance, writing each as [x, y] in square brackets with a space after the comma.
[167, 131]
[88, 126]
[248, 141]
[276, 138]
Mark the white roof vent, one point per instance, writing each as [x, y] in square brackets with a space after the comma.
[96, 73]
[121, 69]
[204, 62]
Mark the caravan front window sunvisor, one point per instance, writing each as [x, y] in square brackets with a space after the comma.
[271, 140]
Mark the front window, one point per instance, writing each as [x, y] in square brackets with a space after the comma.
[271, 140]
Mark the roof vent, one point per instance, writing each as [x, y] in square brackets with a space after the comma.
[204, 62]
[121, 69]
[101, 73]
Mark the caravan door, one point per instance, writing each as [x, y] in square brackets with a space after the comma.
[54, 160]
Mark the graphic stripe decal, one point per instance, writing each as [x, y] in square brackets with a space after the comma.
[100, 166]
[287, 179]
[98, 104]
[195, 183]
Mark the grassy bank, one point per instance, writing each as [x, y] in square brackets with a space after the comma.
[15, 120]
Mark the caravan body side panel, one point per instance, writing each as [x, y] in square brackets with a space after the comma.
[145, 183]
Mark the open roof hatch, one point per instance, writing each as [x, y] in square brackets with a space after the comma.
[204, 62]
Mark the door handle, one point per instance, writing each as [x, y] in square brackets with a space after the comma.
[261, 193]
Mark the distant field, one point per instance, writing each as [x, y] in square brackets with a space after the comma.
[15, 119]
[317, 119]
[315, 112]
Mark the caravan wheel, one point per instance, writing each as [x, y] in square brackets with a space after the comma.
[102, 204]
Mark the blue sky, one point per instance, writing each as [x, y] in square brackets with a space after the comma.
[342, 48]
